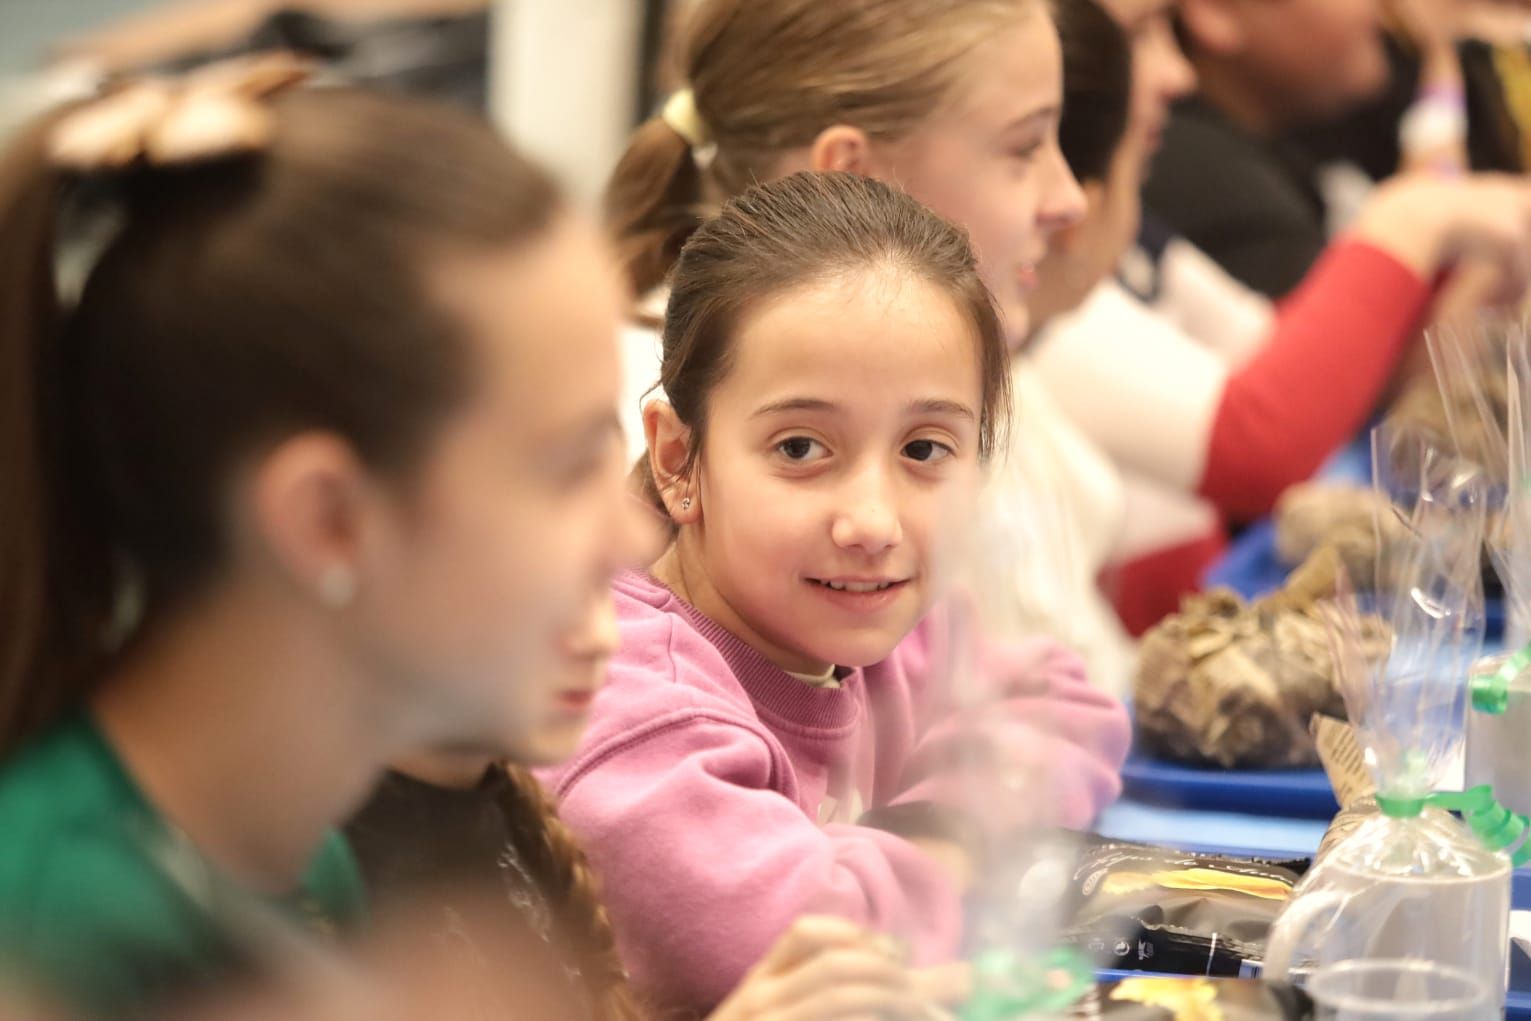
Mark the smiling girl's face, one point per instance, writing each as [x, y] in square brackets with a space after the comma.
[845, 429]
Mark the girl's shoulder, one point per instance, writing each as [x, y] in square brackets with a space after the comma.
[86, 916]
[669, 655]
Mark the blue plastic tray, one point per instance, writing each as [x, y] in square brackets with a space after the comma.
[1249, 566]
[1300, 793]
[1517, 1005]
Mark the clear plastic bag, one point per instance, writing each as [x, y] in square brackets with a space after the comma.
[993, 774]
[1415, 881]
[1485, 378]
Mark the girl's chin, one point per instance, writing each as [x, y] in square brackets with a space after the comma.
[855, 654]
[1015, 318]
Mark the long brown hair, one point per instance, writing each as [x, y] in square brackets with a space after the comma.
[242, 299]
[802, 228]
[564, 876]
[768, 76]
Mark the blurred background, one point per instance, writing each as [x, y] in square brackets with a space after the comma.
[567, 78]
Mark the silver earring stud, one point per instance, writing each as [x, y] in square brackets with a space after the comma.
[337, 586]
[685, 504]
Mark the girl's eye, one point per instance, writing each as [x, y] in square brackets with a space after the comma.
[1028, 152]
[799, 448]
[927, 451]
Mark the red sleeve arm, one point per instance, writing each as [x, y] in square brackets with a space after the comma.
[1312, 385]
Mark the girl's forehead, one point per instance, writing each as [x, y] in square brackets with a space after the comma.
[876, 334]
[1016, 72]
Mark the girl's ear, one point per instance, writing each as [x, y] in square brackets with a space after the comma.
[843, 148]
[310, 503]
[1213, 25]
[669, 455]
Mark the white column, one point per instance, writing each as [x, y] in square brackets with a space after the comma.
[562, 79]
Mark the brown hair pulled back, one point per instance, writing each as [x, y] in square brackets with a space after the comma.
[242, 300]
[802, 229]
[1097, 87]
[768, 76]
[564, 876]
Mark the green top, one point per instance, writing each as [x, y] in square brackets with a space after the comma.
[107, 909]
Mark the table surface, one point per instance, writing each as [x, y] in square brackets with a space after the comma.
[1225, 831]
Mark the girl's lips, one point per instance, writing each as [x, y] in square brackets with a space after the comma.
[576, 700]
[859, 602]
[1026, 276]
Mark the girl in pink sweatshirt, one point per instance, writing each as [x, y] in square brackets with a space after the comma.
[775, 732]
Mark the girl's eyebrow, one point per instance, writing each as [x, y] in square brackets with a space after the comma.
[794, 404]
[936, 406]
[1043, 115]
[928, 406]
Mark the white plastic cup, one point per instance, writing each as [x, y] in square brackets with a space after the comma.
[1396, 990]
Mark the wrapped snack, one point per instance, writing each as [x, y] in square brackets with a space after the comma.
[1413, 881]
[1341, 515]
[1193, 999]
[1149, 908]
[1232, 684]
[1471, 412]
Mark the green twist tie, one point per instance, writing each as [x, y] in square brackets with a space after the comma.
[1009, 986]
[1491, 693]
[1494, 825]
[1400, 808]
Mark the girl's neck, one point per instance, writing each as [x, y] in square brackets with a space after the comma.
[247, 732]
[683, 572]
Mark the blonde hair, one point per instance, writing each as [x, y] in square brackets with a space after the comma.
[767, 76]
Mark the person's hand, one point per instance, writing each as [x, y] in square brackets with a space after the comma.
[1430, 224]
[1496, 22]
[1432, 25]
[827, 969]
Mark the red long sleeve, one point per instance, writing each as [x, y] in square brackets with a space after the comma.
[1310, 388]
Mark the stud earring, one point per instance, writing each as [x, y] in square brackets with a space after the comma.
[685, 504]
[337, 586]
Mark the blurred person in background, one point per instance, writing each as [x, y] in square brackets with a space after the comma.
[316, 470]
[1202, 405]
[1456, 99]
[890, 89]
[1235, 179]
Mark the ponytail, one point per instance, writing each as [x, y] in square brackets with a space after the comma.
[53, 592]
[653, 203]
[563, 874]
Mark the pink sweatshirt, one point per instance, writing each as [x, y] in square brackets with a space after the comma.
[700, 783]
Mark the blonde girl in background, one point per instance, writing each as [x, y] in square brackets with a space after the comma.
[954, 101]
